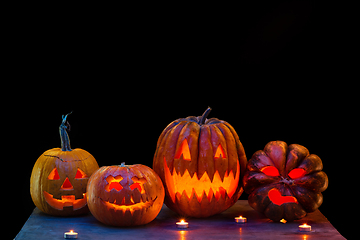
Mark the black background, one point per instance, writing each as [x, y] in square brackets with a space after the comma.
[272, 70]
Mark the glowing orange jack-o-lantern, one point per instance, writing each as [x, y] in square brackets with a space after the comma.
[59, 178]
[285, 182]
[200, 162]
[125, 195]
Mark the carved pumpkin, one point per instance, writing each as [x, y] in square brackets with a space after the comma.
[126, 195]
[59, 178]
[200, 162]
[285, 182]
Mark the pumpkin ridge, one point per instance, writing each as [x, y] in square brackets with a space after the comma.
[229, 137]
[239, 149]
[170, 135]
[292, 191]
[272, 161]
[198, 152]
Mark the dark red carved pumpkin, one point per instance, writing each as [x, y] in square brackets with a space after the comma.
[285, 182]
[201, 163]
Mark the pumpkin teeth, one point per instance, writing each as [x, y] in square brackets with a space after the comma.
[128, 207]
[65, 201]
[189, 184]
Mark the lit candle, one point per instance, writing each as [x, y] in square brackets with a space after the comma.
[182, 224]
[70, 234]
[305, 228]
[283, 221]
[241, 219]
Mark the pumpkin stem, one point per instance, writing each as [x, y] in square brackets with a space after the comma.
[203, 117]
[65, 141]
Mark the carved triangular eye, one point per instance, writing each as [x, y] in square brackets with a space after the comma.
[80, 174]
[220, 152]
[184, 151]
[54, 175]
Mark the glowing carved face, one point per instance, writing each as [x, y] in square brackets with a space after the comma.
[200, 162]
[125, 195]
[114, 184]
[285, 182]
[66, 198]
[274, 194]
[215, 187]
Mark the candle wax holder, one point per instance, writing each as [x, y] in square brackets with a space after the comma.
[182, 224]
[70, 235]
[241, 219]
[305, 228]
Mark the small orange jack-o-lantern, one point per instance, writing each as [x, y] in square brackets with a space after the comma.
[285, 182]
[125, 195]
[59, 178]
[201, 163]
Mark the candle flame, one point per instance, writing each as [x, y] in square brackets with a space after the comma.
[71, 231]
[283, 221]
[182, 221]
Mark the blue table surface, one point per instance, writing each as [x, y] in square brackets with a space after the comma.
[221, 226]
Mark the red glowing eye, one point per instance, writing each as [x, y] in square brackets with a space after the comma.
[80, 174]
[297, 173]
[138, 183]
[270, 171]
[135, 185]
[54, 175]
[115, 185]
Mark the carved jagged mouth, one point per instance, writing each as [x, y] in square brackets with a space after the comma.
[65, 201]
[188, 185]
[132, 206]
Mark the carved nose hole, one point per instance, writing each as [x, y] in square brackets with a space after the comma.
[67, 185]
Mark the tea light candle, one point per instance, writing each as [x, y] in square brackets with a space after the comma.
[70, 234]
[305, 228]
[182, 224]
[283, 221]
[241, 219]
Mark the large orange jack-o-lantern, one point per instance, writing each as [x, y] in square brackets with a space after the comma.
[200, 162]
[59, 178]
[125, 195]
[285, 182]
